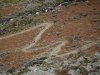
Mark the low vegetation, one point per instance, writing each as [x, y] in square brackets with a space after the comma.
[16, 25]
[9, 1]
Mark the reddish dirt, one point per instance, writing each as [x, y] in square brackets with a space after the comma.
[74, 23]
[17, 40]
[7, 10]
[92, 50]
[14, 59]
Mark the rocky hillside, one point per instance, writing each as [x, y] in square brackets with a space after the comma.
[49, 37]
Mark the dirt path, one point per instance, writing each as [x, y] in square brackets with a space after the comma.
[38, 37]
[20, 39]
[58, 48]
[48, 46]
[32, 28]
[83, 48]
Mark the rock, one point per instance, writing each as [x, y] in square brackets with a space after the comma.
[66, 63]
[2, 68]
[96, 64]
[37, 13]
[95, 57]
[48, 34]
[77, 72]
[80, 59]
[78, 62]
[46, 10]
[75, 64]
[36, 71]
[72, 72]
[94, 73]
[49, 61]
[29, 14]
[83, 14]
[57, 33]
[3, 73]
[89, 67]
[11, 20]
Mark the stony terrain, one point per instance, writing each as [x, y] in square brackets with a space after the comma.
[50, 37]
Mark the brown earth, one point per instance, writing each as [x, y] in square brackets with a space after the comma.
[8, 10]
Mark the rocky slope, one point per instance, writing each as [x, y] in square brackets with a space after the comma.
[53, 39]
